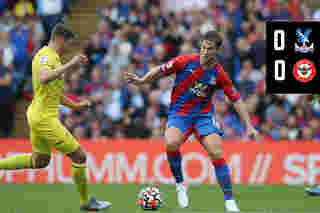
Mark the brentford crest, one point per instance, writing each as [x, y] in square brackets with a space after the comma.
[304, 70]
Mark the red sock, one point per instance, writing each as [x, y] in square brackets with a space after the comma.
[175, 153]
[218, 162]
[175, 159]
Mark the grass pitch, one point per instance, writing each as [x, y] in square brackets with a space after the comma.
[60, 198]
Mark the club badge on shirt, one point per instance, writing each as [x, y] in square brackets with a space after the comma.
[44, 59]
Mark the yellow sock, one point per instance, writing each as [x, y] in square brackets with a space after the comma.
[80, 179]
[23, 161]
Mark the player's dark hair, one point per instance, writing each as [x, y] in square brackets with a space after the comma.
[214, 36]
[61, 30]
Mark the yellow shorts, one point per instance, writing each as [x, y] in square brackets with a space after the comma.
[50, 133]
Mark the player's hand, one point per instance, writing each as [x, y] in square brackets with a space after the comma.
[133, 78]
[79, 60]
[83, 104]
[253, 133]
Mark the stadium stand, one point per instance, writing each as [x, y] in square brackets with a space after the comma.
[135, 35]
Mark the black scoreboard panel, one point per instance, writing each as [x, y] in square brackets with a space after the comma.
[293, 57]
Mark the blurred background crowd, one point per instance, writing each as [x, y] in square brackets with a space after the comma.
[135, 35]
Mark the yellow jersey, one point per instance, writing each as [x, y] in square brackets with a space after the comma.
[46, 99]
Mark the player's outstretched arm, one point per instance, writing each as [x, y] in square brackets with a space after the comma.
[244, 115]
[226, 84]
[75, 105]
[154, 74]
[46, 75]
[173, 66]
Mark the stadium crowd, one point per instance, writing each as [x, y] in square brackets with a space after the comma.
[25, 26]
[134, 35]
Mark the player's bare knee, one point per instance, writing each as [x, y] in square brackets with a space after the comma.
[215, 151]
[216, 154]
[173, 139]
[41, 161]
[78, 156]
[172, 145]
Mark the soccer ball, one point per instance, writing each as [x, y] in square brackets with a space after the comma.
[150, 198]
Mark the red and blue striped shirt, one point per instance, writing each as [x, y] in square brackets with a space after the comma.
[194, 86]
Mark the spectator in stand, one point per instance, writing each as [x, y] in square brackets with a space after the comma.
[115, 104]
[276, 112]
[281, 11]
[231, 134]
[96, 86]
[2, 6]
[246, 86]
[165, 87]
[104, 34]
[293, 127]
[79, 132]
[6, 101]
[38, 34]
[95, 130]
[307, 134]
[225, 117]
[234, 12]
[172, 41]
[21, 40]
[118, 55]
[23, 8]
[252, 14]
[152, 120]
[137, 102]
[6, 50]
[258, 46]
[51, 12]
[316, 15]
[7, 21]
[253, 74]
[186, 47]
[284, 133]
[95, 51]
[159, 54]
[144, 51]
[314, 124]
[158, 20]
[77, 84]
[119, 133]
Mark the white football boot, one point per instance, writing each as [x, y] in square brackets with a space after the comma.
[231, 206]
[183, 199]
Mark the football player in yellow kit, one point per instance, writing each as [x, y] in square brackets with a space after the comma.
[46, 131]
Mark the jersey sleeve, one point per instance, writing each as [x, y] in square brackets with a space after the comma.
[226, 84]
[173, 66]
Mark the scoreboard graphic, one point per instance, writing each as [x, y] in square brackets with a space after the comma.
[293, 57]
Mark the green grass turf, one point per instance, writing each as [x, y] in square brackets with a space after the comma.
[60, 198]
